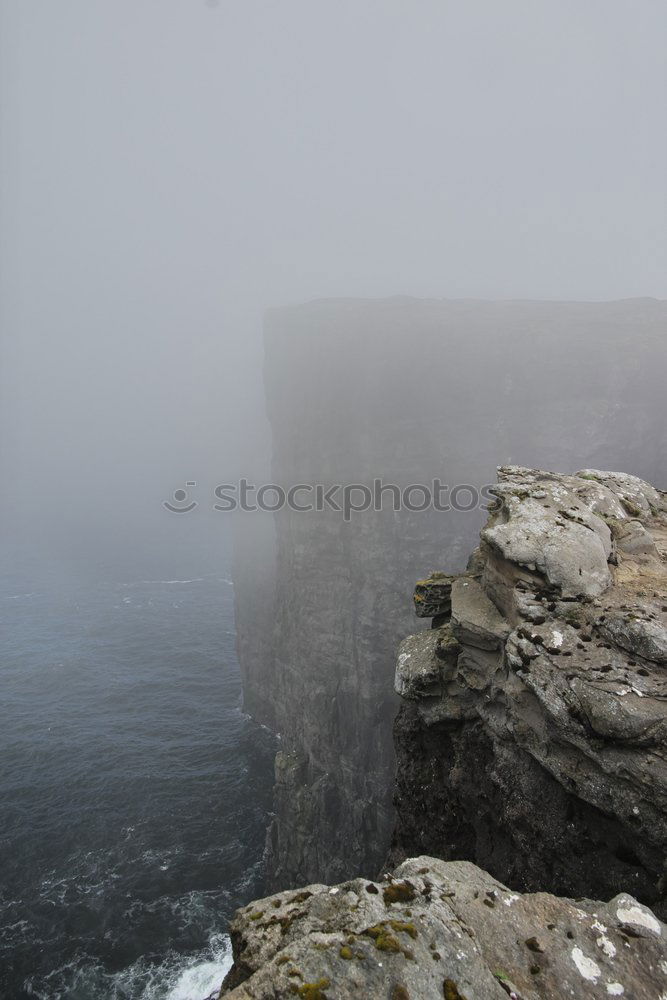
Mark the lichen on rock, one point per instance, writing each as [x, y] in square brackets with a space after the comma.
[531, 740]
[542, 755]
[435, 929]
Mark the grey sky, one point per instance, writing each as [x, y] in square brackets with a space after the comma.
[172, 167]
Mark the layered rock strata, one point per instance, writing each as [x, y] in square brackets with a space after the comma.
[405, 390]
[532, 738]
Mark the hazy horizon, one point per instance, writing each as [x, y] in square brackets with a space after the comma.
[171, 170]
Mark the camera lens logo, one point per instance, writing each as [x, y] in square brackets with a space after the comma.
[179, 504]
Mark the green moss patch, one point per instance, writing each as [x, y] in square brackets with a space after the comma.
[383, 939]
[401, 927]
[450, 990]
[399, 892]
[312, 991]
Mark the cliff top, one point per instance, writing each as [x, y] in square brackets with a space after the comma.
[433, 929]
[534, 742]
[545, 664]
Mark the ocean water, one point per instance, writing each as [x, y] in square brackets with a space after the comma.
[134, 792]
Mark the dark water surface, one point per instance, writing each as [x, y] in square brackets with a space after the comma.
[133, 791]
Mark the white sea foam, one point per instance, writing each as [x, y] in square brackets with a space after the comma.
[201, 978]
[192, 977]
[178, 977]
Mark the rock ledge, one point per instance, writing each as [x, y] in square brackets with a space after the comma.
[434, 929]
[532, 738]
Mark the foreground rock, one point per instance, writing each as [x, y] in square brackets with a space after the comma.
[435, 929]
[533, 734]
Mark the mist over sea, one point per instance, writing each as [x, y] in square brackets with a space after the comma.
[171, 173]
[133, 790]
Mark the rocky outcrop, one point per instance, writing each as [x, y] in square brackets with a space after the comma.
[434, 929]
[406, 390]
[532, 738]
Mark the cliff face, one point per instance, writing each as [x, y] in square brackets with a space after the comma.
[432, 930]
[404, 390]
[532, 737]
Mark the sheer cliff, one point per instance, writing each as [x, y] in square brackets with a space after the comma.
[531, 740]
[405, 390]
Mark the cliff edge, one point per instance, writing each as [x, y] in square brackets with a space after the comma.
[531, 741]
[434, 929]
[532, 737]
[404, 390]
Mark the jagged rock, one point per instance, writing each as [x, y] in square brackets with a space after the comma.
[640, 636]
[433, 929]
[638, 497]
[631, 536]
[433, 595]
[407, 390]
[475, 619]
[546, 527]
[418, 671]
[544, 758]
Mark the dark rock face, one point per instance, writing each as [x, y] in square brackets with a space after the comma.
[537, 746]
[433, 929]
[406, 391]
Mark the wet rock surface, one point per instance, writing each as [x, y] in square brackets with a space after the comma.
[433, 929]
[539, 748]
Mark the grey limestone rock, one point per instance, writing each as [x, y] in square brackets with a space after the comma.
[547, 528]
[544, 758]
[409, 390]
[432, 930]
[433, 595]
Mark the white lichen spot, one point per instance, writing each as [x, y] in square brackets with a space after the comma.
[663, 966]
[615, 989]
[332, 892]
[586, 967]
[637, 916]
[512, 898]
[635, 810]
[557, 639]
[403, 658]
[608, 947]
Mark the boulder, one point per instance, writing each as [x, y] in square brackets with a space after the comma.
[432, 929]
[432, 596]
[637, 497]
[547, 528]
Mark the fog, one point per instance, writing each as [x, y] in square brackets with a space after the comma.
[172, 168]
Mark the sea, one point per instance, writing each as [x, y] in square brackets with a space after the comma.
[134, 791]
